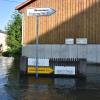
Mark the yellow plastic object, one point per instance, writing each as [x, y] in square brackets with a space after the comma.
[41, 70]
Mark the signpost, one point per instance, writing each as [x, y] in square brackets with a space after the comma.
[39, 12]
[41, 62]
[41, 70]
[64, 70]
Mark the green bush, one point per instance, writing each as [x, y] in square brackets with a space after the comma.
[6, 54]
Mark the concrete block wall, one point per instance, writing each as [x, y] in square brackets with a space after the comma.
[91, 52]
[98, 53]
[82, 51]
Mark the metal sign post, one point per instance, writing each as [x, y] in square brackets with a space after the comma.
[37, 42]
[39, 12]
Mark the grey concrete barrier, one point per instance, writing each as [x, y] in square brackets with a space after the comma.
[91, 52]
[82, 66]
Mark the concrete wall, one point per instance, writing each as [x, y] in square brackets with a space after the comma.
[91, 52]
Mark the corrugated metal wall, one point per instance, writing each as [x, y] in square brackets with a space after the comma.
[73, 18]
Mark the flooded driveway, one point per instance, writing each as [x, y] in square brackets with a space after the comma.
[13, 87]
[60, 89]
[9, 82]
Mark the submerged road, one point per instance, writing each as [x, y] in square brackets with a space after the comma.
[13, 87]
[9, 85]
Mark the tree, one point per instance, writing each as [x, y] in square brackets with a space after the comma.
[14, 30]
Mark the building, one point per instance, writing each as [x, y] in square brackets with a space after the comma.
[3, 45]
[73, 19]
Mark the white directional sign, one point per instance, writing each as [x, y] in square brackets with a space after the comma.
[40, 12]
[41, 62]
[64, 70]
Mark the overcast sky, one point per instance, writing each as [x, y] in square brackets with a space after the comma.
[7, 8]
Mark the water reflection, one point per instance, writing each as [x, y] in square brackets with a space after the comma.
[9, 85]
[46, 88]
[58, 89]
[13, 87]
[5, 65]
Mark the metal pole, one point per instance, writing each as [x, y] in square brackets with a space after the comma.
[37, 27]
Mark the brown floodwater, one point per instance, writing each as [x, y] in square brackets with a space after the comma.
[13, 87]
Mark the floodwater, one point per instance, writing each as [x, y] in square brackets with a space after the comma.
[13, 87]
[9, 82]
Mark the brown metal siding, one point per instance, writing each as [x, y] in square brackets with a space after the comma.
[73, 18]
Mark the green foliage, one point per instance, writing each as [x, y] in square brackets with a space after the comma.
[14, 30]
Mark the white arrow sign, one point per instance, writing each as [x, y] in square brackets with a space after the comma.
[40, 12]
